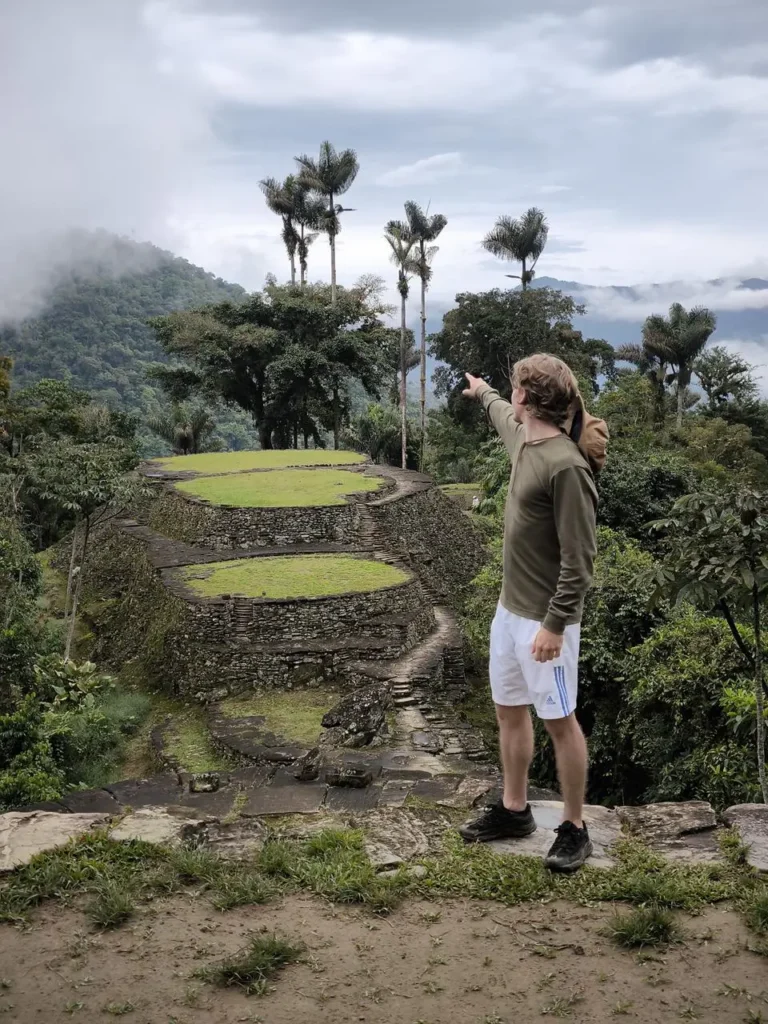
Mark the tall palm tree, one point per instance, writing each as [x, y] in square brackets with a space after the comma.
[185, 429]
[331, 175]
[282, 199]
[402, 242]
[651, 357]
[309, 212]
[521, 240]
[425, 229]
[681, 337]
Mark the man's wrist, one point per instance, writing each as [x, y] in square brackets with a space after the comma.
[553, 624]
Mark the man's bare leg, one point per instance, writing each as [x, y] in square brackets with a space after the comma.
[571, 757]
[516, 746]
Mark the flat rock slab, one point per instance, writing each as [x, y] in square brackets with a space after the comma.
[469, 793]
[437, 789]
[24, 834]
[680, 831]
[154, 792]
[395, 792]
[351, 801]
[604, 829]
[250, 738]
[166, 826]
[284, 798]
[213, 805]
[91, 801]
[239, 840]
[751, 821]
[393, 837]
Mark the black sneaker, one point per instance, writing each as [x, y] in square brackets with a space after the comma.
[570, 849]
[496, 822]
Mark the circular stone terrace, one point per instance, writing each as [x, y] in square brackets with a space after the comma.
[288, 577]
[247, 499]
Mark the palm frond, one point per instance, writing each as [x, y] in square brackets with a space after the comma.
[332, 173]
[502, 240]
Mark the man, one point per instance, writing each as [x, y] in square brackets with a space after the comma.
[549, 548]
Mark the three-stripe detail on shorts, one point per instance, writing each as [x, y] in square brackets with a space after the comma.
[559, 671]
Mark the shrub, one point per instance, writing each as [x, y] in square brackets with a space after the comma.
[638, 486]
[616, 619]
[684, 682]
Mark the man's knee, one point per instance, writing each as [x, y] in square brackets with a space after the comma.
[511, 717]
[562, 728]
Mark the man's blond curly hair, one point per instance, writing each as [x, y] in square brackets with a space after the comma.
[550, 387]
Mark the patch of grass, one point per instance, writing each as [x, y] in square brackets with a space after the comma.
[119, 1009]
[290, 576]
[237, 462]
[562, 1006]
[193, 866]
[111, 904]
[252, 967]
[241, 889]
[281, 488]
[733, 847]
[461, 489]
[188, 742]
[756, 911]
[294, 714]
[333, 864]
[642, 927]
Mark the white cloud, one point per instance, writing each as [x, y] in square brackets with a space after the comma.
[755, 352]
[556, 59]
[725, 296]
[426, 171]
[94, 134]
[549, 190]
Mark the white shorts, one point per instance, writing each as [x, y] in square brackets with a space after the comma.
[516, 679]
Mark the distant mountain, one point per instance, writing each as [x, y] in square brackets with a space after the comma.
[616, 313]
[93, 326]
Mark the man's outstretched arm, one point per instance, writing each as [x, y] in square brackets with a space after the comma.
[499, 411]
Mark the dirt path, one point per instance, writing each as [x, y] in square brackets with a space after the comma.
[429, 963]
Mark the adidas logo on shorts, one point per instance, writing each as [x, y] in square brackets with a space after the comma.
[550, 701]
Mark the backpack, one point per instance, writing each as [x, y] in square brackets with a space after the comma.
[590, 434]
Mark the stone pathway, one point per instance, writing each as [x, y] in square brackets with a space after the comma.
[233, 812]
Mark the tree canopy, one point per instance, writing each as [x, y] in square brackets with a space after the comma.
[287, 357]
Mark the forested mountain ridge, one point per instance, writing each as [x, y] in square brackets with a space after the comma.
[93, 325]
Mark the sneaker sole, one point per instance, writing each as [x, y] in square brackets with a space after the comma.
[563, 870]
[495, 838]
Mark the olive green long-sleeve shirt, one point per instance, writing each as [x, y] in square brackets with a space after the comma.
[549, 522]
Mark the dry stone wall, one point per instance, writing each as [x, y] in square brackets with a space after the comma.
[222, 528]
[433, 537]
[208, 648]
[216, 620]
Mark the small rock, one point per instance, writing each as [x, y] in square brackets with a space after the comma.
[380, 856]
[204, 782]
[350, 775]
[361, 714]
[417, 871]
[307, 768]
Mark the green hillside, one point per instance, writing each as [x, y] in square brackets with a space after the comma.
[93, 327]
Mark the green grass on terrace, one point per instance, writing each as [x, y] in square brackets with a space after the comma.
[236, 462]
[461, 488]
[290, 576]
[281, 488]
[293, 714]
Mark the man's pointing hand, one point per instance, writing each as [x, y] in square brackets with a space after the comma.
[473, 383]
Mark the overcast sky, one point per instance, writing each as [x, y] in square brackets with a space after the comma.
[640, 127]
